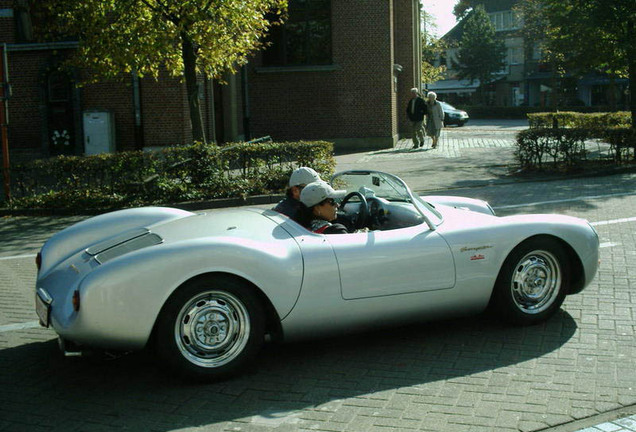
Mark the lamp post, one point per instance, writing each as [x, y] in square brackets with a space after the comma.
[5, 93]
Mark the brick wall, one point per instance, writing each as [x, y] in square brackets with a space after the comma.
[405, 37]
[164, 108]
[116, 97]
[164, 112]
[352, 102]
[25, 107]
[7, 22]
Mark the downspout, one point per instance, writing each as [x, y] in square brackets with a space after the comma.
[4, 121]
[246, 104]
[136, 94]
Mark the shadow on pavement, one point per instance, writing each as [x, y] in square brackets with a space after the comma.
[28, 233]
[43, 389]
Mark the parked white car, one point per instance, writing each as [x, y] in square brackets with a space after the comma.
[207, 288]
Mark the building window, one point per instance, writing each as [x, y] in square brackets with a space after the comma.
[515, 55]
[23, 25]
[58, 87]
[304, 38]
[537, 52]
[505, 20]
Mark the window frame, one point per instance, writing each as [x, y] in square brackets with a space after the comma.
[278, 54]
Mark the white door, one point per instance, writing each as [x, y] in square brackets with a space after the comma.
[97, 133]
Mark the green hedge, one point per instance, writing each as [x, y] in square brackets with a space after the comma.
[569, 148]
[622, 142]
[171, 175]
[497, 112]
[571, 119]
[516, 112]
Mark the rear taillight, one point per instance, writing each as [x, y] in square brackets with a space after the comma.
[76, 301]
[38, 260]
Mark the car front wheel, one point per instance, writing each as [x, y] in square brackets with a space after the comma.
[533, 282]
[211, 328]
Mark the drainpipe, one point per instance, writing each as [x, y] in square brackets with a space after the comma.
[136, 94]
[246, 104]
[5, 94]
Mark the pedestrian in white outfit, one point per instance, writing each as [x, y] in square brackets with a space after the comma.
[434, 118]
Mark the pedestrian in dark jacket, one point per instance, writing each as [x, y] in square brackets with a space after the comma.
[416, 110]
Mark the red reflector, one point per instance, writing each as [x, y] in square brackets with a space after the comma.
[76, 301]
[38, 260]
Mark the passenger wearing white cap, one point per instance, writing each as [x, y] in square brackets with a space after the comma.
[290, 205]
[321, 208]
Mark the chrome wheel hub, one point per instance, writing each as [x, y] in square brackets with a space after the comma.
[536, 281]
[212, 328]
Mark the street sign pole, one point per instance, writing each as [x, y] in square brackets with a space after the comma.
[4, 120]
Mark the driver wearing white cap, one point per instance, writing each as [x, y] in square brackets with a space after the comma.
[300, 177]
[319, 198]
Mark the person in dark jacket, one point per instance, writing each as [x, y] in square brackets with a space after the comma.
[416, 110]
[290, 205]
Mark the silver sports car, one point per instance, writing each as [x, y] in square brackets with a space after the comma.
[207, 289]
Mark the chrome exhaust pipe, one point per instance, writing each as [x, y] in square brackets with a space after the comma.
[68, 348]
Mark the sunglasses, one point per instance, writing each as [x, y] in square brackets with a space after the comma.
[331, 201]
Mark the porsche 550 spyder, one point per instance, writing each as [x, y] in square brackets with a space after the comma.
[207, 289]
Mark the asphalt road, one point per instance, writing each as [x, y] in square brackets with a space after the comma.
[471, 374]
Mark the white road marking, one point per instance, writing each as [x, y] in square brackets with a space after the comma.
[613, 221]
[17, 257]
[608, 245]
[19, 326]
[581, 198]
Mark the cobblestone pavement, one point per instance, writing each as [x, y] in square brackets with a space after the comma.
[575, 372]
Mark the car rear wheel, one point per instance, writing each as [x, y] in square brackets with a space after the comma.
[533, 282]
[211, 328]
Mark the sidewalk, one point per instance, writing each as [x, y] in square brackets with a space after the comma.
[460, 160]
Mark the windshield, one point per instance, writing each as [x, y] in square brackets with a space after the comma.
[447, 106]
[376, 184]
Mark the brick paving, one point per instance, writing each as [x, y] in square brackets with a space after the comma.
[576, 372]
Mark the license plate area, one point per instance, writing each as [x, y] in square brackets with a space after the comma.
[43, 303]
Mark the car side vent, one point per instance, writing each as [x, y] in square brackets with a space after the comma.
[143, 241]
[116, 240]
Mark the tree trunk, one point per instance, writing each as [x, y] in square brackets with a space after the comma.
[632, 83]
[631, 69]
[192, 87]
[612, 93]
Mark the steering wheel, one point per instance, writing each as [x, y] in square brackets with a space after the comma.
[363, 214]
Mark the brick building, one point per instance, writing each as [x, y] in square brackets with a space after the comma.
[347, 81]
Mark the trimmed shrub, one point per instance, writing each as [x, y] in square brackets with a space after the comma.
[571, 119]
[622, 142]
[517, 112]
[561, 147]
[171, 175]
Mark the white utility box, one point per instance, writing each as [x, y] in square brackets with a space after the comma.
[99, 132]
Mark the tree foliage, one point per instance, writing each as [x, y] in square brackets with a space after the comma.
[462, 7]
[185, 37]
[432, 47]
[481, 53]
[594, 35]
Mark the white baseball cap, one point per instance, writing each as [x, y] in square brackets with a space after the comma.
[303, 176]
[316, 192]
